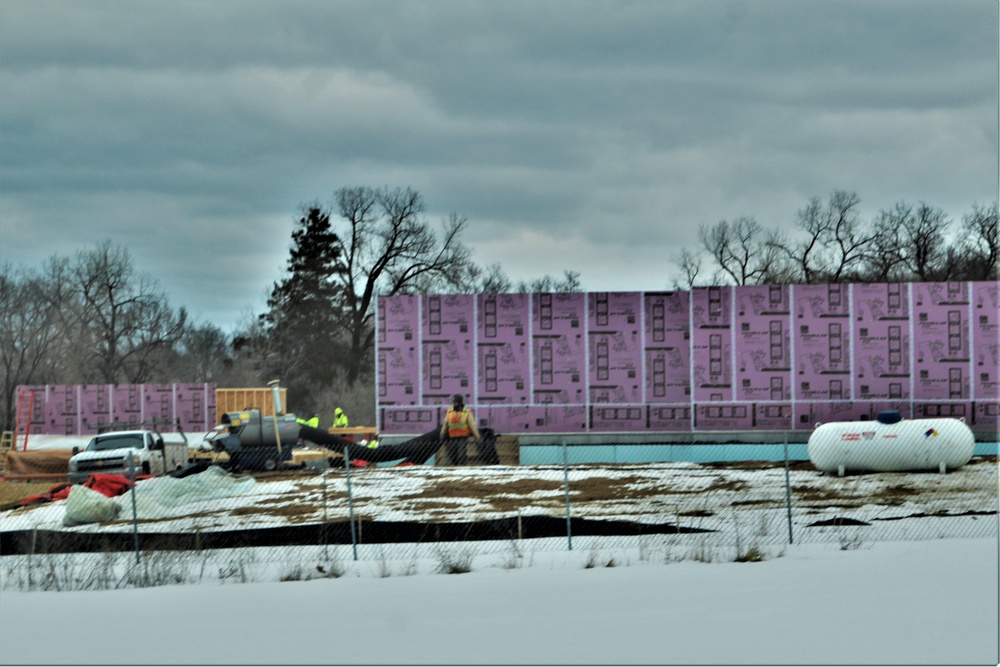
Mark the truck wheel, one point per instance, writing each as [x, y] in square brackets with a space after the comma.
[270, 464]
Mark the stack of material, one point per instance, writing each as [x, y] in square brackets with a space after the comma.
[507, 448]
[44, 464]
[303, 455]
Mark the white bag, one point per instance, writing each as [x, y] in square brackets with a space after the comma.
[85, 505]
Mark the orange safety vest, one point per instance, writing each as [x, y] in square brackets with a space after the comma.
[458, 423]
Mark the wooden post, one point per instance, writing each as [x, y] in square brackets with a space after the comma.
[278, 408]
[27, 429]
[17, 421]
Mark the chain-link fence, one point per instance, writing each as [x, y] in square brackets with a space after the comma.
[685, 501]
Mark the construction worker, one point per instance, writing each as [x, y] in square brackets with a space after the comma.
[339, 418]
[312, 421]
[459, 423]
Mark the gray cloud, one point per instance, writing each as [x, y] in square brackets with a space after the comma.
[602, 133]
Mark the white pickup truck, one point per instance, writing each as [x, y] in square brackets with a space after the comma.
[140, 452]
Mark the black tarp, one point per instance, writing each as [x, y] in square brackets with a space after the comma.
[416, 450]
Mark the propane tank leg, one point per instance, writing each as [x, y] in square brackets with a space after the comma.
[840, 471]
[942, 467]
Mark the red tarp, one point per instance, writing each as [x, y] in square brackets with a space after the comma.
[104, 483]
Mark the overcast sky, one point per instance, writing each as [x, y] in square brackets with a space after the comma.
[585, 136]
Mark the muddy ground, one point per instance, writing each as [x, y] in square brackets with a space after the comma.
[644, 493]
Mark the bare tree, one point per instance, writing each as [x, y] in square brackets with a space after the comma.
[922, 239]
[127, 319]
[883, 258]
[30, 333]
[386, 247]
[806, 255]
[980, 243]
[689, 263]
[485, 280]
[744, 251]
[570, 282]
[492, 280]
[847, 236]
[253, 351]
[833, 243]
[201, 355]
[731, 246]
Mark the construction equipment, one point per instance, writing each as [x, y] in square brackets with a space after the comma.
[256, 442]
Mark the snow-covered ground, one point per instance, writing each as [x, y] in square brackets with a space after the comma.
[855, 594]
[928, 602]
[722, 499]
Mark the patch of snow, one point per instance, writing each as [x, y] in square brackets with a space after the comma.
[927, 602]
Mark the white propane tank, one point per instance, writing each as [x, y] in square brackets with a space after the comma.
[891, 444]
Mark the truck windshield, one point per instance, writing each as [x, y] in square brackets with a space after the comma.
[115, 442]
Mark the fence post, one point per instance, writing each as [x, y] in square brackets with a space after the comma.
[326, 551]
[569, 528]
[350, 501]
[788, 492]
[135, 514]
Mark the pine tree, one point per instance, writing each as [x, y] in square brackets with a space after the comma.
[303, 314]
